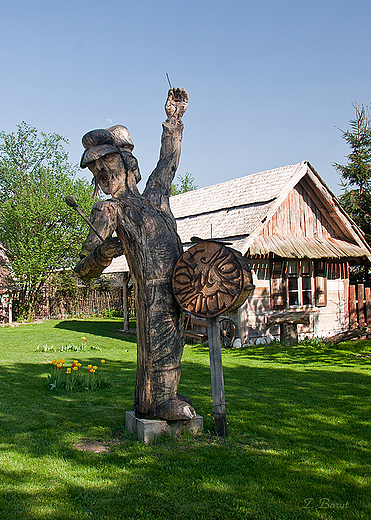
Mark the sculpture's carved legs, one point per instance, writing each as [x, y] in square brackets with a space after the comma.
[165, 402]
[160, 348]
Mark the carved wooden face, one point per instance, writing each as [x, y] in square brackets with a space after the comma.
[110, 173]
[210, 279]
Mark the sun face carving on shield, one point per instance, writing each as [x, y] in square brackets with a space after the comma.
[209, 279]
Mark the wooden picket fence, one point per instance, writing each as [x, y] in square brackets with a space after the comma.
[84, 303]
[359, 305]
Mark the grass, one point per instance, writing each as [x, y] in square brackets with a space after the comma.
[298, 444]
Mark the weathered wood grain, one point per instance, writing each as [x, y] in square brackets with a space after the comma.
[361, 305]
[368, 305]
[147, 234]
[211, 279]
[217, 380]
[353, 307]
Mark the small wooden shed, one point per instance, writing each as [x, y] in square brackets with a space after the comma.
[297, 239]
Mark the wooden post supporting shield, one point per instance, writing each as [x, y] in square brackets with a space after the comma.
[209, 280]
[217, 380]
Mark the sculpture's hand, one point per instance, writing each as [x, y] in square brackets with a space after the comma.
[110, 248]
[176, 104]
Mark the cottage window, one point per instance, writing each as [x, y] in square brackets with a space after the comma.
[293, 282]
[298, 283]
[306, 282]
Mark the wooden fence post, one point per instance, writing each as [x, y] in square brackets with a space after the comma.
[352, 307]
[361, 305]
[10, 308]
[368, 305]
[217, 381]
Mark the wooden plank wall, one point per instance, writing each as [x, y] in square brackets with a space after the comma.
[359, 305]
[302, 214]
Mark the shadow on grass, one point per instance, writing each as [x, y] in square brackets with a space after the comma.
[104, 328]
[339, 355]
[294, 434]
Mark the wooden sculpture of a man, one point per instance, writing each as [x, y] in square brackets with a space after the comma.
[146, 233]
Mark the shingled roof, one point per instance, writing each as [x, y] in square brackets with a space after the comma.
[230, 210]
[236, 212]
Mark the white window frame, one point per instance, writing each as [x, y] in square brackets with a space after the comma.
[299, 270]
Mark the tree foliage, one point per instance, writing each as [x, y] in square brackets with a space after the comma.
[185, 183]
[39, 231]
[356, 174]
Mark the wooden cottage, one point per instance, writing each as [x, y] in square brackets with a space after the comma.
[298, 241]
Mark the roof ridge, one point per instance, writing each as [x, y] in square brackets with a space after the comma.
[236, 179]
[260, 187]
[249, 204]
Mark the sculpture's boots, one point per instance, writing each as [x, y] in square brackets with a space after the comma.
[166, 402]
[157, 397]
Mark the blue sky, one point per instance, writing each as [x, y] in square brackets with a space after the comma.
[268, 81]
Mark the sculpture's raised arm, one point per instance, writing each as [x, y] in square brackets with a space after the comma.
[159, 183]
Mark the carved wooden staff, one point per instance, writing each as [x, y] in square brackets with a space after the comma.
[211, 279]
[70, 201]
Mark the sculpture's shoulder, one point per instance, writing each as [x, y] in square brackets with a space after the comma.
[102, 205]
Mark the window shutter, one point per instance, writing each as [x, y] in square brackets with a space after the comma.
[278, 293]
[321, 283]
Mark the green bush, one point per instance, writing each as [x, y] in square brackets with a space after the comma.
[111, 313]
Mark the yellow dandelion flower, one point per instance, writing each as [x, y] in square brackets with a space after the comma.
[90, 366]
[79, 364]
[54, 362]
[94, 368]
[62, 361]
[83, 337]
[59, 365]
[68, 370]
[75, 368]
[75, 361]
[102, 360]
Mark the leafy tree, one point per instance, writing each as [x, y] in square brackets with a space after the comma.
[39, 231]
[185, 183]
[356, 174]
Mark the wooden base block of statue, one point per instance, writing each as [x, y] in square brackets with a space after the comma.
[147, 430]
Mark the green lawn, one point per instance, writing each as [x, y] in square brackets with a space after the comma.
[298, 444]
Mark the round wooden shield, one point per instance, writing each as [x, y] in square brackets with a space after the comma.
[211, 279]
